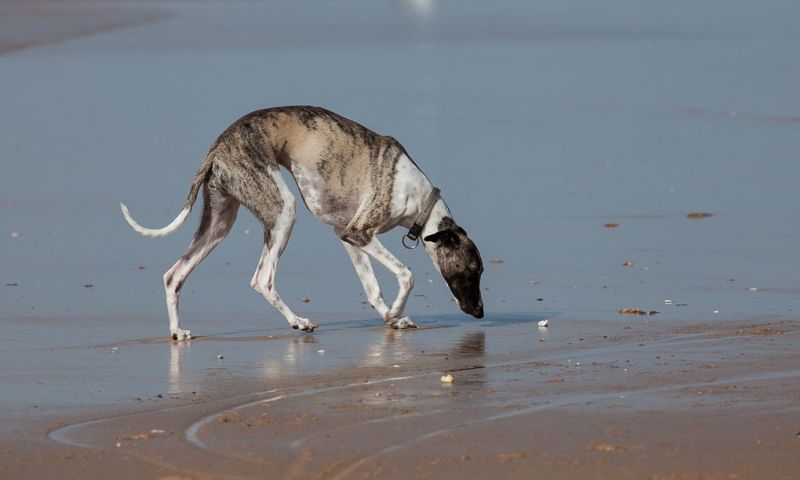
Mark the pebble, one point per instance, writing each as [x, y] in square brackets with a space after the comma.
[447, 378]
[220, 357]
[698, 215]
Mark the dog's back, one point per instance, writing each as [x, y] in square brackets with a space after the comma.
[338, 164]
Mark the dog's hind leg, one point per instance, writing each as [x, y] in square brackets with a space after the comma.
[261, 188]
[219, 213]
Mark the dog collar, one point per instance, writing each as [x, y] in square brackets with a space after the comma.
[422, 217]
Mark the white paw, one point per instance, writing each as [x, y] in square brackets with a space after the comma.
[304, 324]
[181, 335]
[403, 323]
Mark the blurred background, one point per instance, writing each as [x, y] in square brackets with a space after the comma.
[544, 123]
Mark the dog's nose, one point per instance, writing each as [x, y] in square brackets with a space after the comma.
[478, 313]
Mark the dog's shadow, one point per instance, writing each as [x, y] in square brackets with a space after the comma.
[424, 322]
[497, 319]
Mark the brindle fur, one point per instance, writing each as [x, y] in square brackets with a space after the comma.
[355, 165]
[346, 175]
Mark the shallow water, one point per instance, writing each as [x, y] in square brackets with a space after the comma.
[539, 122]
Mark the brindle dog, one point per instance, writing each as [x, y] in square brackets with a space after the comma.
[359, 182]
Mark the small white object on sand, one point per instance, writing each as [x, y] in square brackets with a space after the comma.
[321, 350]
[447, 378]
[220, 357]
[752, 289]
[544, 323]
[667, 302]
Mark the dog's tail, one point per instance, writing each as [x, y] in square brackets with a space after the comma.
[199, 178]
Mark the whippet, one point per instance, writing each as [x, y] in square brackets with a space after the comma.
[359, 182]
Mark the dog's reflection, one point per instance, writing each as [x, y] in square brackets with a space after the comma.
[396, 347]
[291, 355]
[176, 354]
[471, 345]
[295, 349]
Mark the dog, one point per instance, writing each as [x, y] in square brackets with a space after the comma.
[359, 182]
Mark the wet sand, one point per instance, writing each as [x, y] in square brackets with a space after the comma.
[544, 125]
[25, 25]
[632, 399]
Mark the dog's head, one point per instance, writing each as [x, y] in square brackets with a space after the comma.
[460, 264]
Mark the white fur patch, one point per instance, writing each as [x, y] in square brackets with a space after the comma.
[155, 232]
[411, 189]
[311, 186]
[285, 220]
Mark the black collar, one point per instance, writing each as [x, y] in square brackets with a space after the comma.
[416, 230]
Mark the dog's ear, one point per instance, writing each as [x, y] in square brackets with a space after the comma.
[445, 237]
[446, 223]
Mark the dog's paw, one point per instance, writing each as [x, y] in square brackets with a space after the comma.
[304, 324]
[181, 335]
[403, 323]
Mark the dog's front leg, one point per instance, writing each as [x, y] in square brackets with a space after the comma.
[368, 280]
[405, 279]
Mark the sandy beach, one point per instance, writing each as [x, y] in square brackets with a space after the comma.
[626, 155]
[575, 400]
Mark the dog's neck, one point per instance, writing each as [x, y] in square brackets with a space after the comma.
[438, 212]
